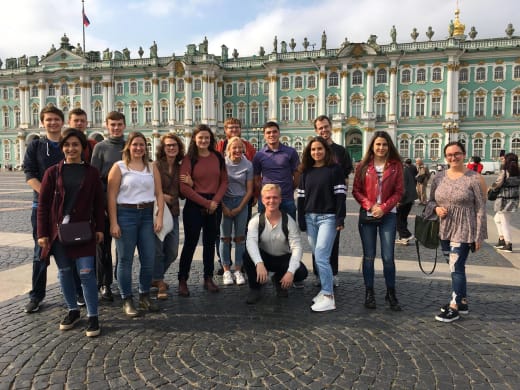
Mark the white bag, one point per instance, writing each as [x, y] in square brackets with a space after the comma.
[167, 221]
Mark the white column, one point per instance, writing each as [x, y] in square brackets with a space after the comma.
[322, 86]
[220, 101]
[42, 93]
[21, 146]
[188, 108]
[171, 110]
[86, 88]
[205, 114]
[344, 90]
[155, 100]
[449, 94]
[392, 112]
[273, 96]
[370, 88]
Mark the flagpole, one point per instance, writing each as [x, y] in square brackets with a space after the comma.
[83, 24]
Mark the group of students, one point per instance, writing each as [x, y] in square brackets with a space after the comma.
[125, 196]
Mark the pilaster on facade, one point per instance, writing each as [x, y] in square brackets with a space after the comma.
[344, 89]
[322, 90]
[86, 105]
[392, 109]
[171, 103]
[42, 92]
[188, 93]
[370, 88]
[155, 100]
[273, 95]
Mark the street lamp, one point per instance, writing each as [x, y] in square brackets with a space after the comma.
[450, 127]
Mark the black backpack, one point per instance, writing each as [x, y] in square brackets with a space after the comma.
[285, 228]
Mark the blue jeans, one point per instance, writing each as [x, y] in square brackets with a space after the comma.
[136, 231]
[238, 225]
[195, 218]
[368, 233]
[287, 205]
[456, 255]
[85, 267]
[321, 233]
[166, 251]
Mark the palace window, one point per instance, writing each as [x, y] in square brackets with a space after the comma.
[356, 107]
[164, 113]
[498, 102]
[64, 89]
[480, 106]
[298, 82]
[420, 106]
[98, 90]
[52, 90]
[496, 147]
[197, 112]
[380, 109]
[516, 105]
[285, 111]
[435, 149]
[147, 87]
[405, 106]
[421, 75]
[180, 113]
[464, 75]
[254, 89]
[180, 85]
[120, 89]
[133, 114]
[418, 149]
[266, 88]
[255, 115]
[266, 111]
[197, 85]
[98, 114]
[298, 110]
[148, 114]
[311, 110]
[436, 106]
[437, 74]
[242, 112]
[404, 148]
[515, 146]
[481, 74]
[241, 89]
[406, 76]
[381, 76]
[35, 117]
[285, 83]
[133, 88]
[516, 72]
[478, 147]
[228, 111]
[333, 79]
[311, 81]
[499, 73]
[77, 89]
[228, 90]
[332, 107]
[357, 77]
[164, 86]
[34, 91]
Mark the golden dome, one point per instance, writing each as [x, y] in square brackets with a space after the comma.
[458, 26]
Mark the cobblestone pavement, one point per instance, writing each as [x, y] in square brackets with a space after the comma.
[216, 341]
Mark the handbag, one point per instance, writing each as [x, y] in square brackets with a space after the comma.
[366, 219]
[427, 234]
[167, 225]
[75, 233]
[493, 193]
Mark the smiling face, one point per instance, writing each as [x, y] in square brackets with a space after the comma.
[318, 153]
[171, 148]
[272, 137]
[202, 140]
[232, 130]
[137, 148]
[116, 127]
[324, 129]
[52, 124]
[72, 150]
[271, 199]
[236, 149]
[454, 156]
[380, 148]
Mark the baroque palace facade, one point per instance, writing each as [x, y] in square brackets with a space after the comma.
[424, 92]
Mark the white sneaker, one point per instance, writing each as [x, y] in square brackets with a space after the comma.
[316, 297]
[227, 278]
[324, 303]
[239, 277]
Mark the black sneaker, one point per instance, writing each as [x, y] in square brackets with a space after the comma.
[506, 248]
[71, 319]
[448, 315]
[80, 300]
[500, 244]
[463, 308]
[106, 294]
[93, 329]
[32, 307]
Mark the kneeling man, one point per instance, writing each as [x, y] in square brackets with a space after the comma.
[273, 244]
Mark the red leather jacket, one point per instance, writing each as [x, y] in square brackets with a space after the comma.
[365, 187]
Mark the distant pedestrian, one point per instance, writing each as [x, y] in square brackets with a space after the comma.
[507, 202]
[405, 204]
[422, 178]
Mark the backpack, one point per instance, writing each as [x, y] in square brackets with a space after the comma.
[285, 228]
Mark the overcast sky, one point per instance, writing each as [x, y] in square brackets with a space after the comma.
[31, 26]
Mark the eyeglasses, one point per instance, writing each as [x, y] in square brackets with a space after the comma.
[170, 145]
[232, 127]
[455, 155]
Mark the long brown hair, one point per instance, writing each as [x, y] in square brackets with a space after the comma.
[161, 154]
[393, 154]
[308, 161]
[193, 151]
[126, 150]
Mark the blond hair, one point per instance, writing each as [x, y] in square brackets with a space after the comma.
[271, 187]
[230, 143]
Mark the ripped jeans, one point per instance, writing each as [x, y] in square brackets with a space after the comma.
[85, 267]
[456, 254]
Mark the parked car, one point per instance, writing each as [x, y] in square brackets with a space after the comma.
[490, 167]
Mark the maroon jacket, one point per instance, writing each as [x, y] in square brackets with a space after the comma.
[365, 188]
[89, 206]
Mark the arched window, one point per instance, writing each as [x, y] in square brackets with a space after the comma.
[381, 76]
[463, 75]
[133, 88]
[418, 149]
[515, 146]
[52, 90]
[381, 109]
[499, 73]
[147, 87]
[404, 148]
[298, 82]
[481, 74]
[496, 147]
[436, 74]
[406, 76]
[285, 85]
[180, 85]
[311, 81]
[164, 86]
[197, 85]
[64, 89]
[478, 147]
[241, 89]
[357, 77]
[98, 90]
[254, 89]
[516, 72]
[228, 90]
[333, 79]
[435, 149]
[421, 75]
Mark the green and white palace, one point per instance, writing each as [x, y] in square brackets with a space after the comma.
[424, 91]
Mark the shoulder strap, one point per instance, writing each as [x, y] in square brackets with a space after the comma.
[285, 225]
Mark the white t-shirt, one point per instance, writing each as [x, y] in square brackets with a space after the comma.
[136, 186]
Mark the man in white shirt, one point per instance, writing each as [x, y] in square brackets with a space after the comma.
[279, 248]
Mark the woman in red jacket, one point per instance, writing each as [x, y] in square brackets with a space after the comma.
[378, 187]
[71, 191]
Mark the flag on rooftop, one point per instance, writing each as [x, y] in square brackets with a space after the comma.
[86, 22]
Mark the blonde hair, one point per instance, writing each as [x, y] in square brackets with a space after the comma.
[271, 187]
[230, 143]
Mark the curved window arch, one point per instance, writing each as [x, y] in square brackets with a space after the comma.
[311, 82]
[197, 85]
[133, 88]
[421, 75]
[228, 90]
[285, 85]
[180, 85]
[463, 75]
[406, 76]
[333, 79]
[480, 74]
[435, 149]
[381, 77]
[298, 82]
[418, 146]
[357, 77]
[499, 73]
[404, 148]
